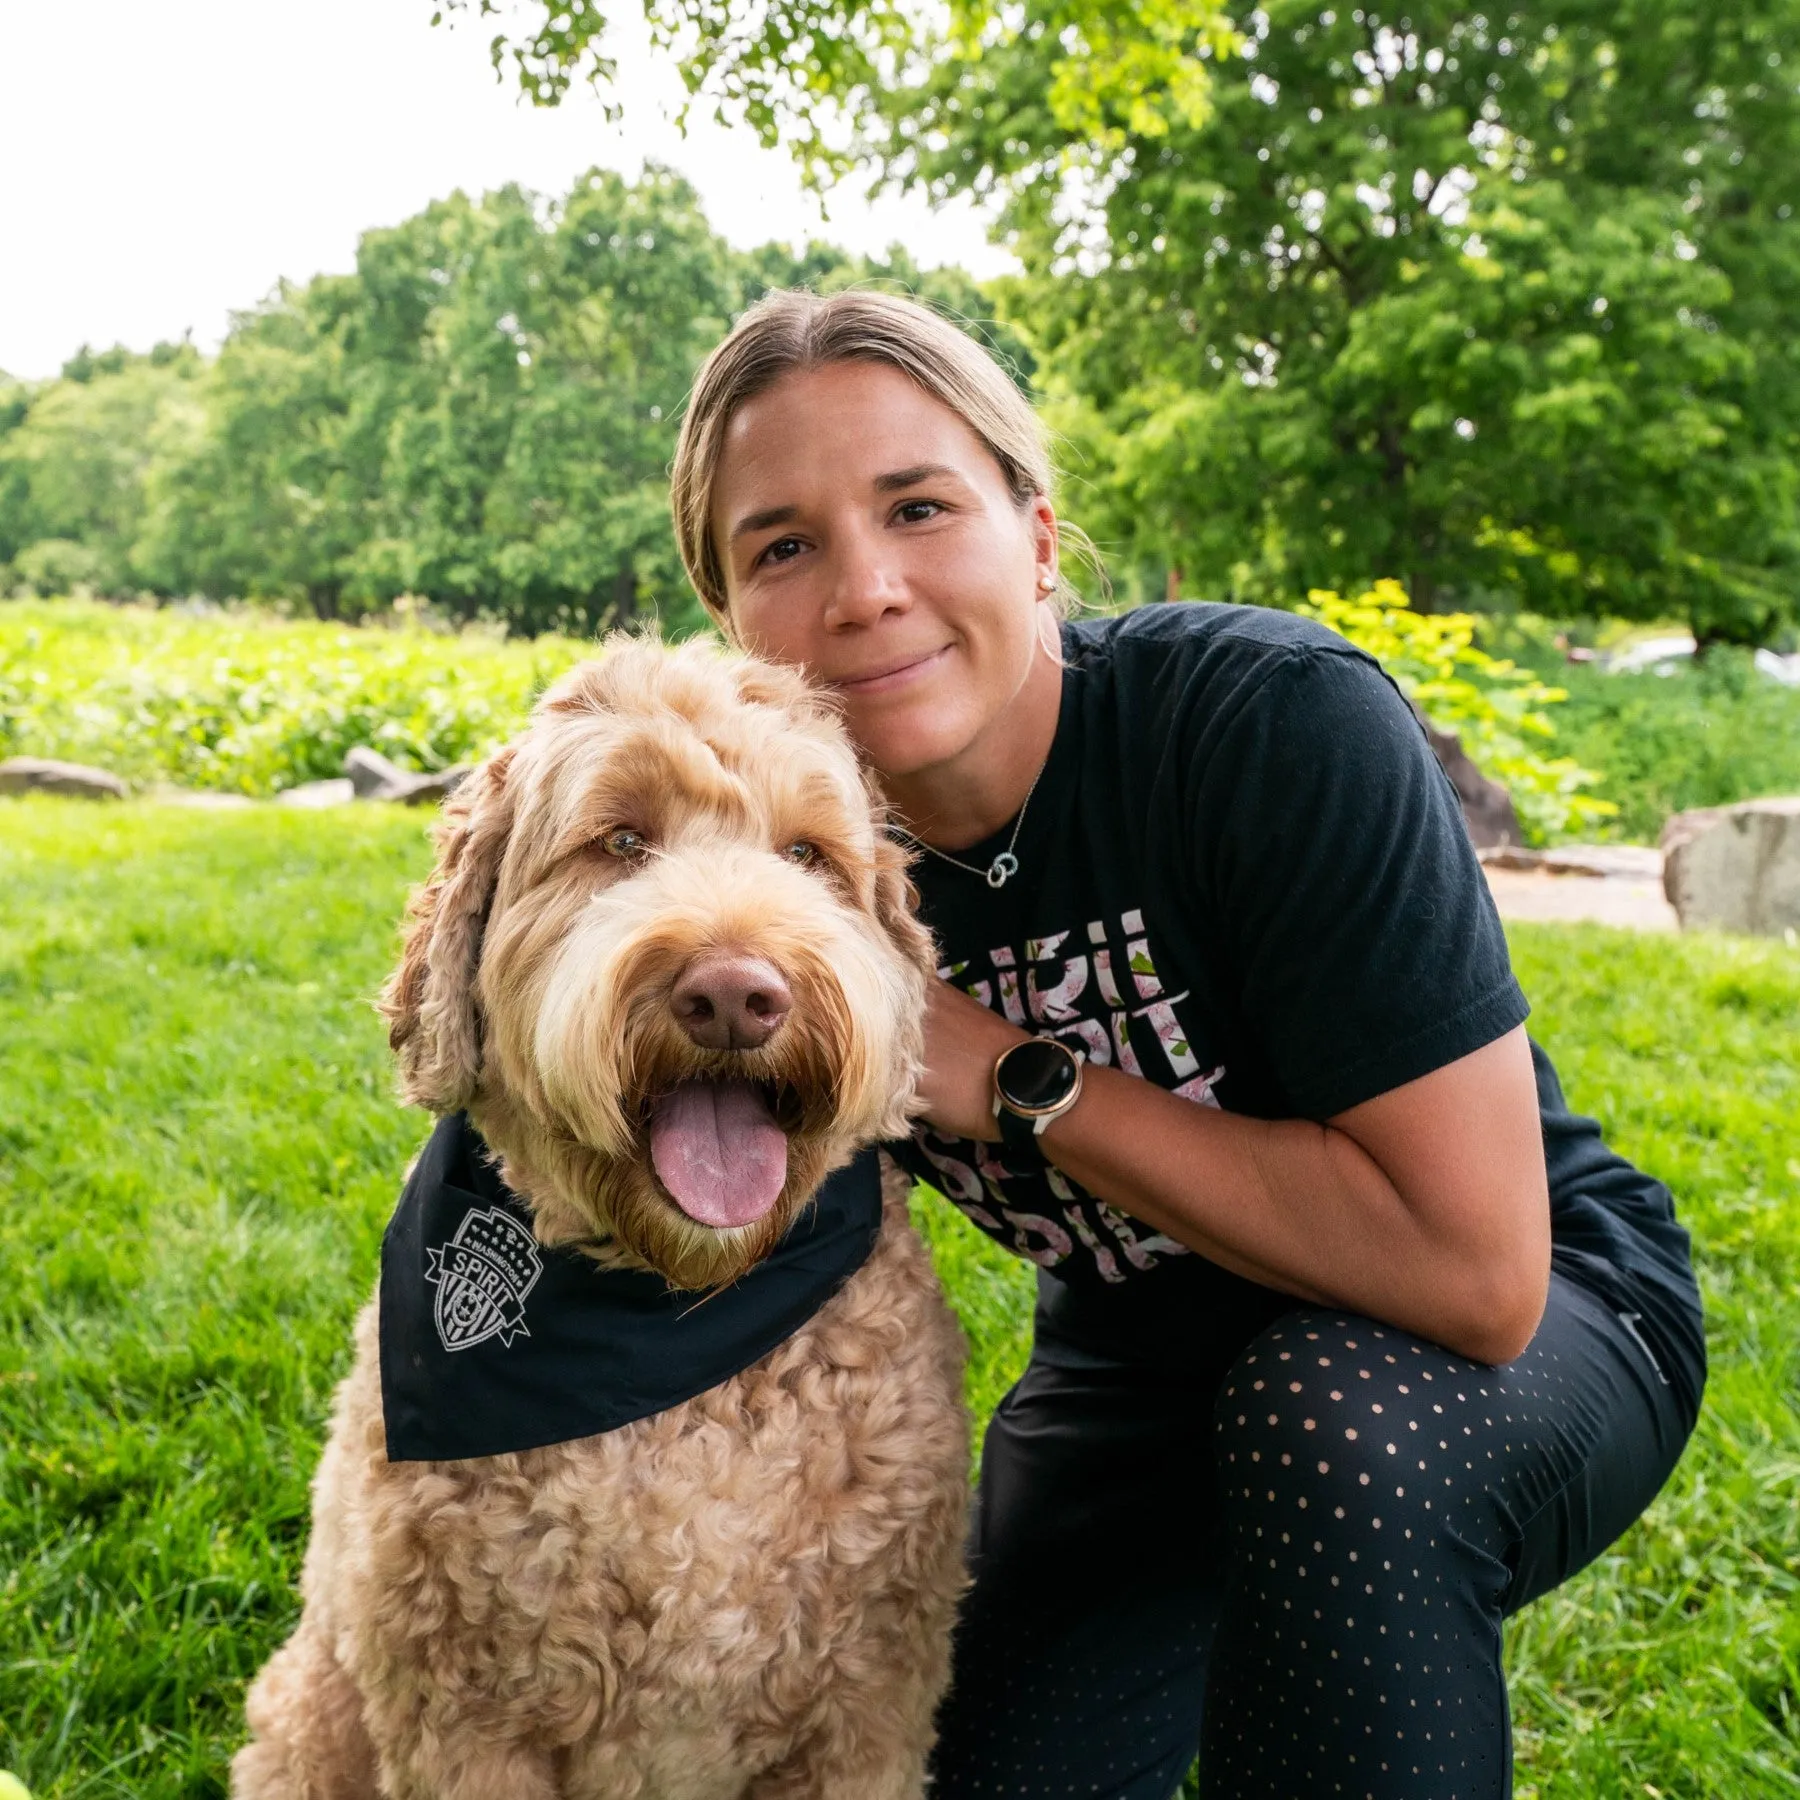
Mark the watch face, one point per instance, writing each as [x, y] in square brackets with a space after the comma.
[1034, 1077]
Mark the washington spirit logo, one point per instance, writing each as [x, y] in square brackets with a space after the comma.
[482, 1277]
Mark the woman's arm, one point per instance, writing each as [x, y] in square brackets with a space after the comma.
[1426, 1207]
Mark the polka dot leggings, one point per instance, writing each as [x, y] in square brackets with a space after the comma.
[1296, 1569]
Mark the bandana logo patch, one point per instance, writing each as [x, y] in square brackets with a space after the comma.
[482, 1277]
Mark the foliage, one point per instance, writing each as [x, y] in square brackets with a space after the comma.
[248, 704]
[1403, 308]
[198, 1150]
[483, 413]
[1713, 732]
[1114, 66]
[74, 458]
[243, 702]
[1494, 303]
[1495, 707]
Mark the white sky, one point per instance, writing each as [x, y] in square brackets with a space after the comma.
[163, 164]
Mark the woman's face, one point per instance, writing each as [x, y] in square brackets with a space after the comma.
[869, 537]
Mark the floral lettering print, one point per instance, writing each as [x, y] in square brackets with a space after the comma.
[1108, 1000]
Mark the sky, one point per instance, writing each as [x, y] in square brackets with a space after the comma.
[164, 164]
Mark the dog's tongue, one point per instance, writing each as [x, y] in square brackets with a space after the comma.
[719, 1152]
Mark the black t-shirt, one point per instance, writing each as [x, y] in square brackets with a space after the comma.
[1244, 877]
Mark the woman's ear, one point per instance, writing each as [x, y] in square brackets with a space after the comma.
[434, 1025]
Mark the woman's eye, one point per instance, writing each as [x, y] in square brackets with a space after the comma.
[782, 550]
[915, 511]
[625, 842]
[801, 852]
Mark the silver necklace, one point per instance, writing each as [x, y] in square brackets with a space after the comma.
[1004, 866]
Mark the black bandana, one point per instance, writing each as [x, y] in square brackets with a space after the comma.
[491, 1343]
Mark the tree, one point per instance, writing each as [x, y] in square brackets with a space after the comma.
[1406, 307]
[482, 413]
[1494, 300]
[74, 461]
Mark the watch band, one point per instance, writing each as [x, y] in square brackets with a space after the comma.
[1018, 1134]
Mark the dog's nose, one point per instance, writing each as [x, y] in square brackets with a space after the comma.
[726, 1002]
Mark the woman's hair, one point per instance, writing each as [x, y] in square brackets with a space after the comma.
[793, 329]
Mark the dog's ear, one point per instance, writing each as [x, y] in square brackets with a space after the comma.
[896, 905]
[774, 684]
[434, 1025]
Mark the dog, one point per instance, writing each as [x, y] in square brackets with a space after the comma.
[664, 920]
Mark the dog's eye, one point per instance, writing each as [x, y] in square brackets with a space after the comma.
[801, 852]
[625, 842]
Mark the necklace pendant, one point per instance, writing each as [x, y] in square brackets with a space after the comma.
[1001, 869]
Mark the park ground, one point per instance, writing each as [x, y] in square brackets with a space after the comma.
[199, 1149]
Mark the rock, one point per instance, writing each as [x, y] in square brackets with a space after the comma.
[1487, 806]
[430, 789]
[370, 772]
[40, 775]
[318, 793]
[1736, 868]
[374, 777]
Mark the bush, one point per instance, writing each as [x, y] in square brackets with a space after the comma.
[60, 566]
[1715, 731]
[246, 703]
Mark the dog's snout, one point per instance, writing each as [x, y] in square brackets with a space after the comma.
[726, 1002]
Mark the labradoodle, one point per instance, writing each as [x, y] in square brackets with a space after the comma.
[665, 965]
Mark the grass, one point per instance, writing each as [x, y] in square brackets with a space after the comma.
[198, 1151]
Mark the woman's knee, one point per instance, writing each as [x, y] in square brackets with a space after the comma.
[1330, 1412]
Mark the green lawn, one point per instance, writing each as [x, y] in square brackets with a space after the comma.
[198, 1151]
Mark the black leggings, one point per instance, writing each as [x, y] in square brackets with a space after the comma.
[1297, 1571]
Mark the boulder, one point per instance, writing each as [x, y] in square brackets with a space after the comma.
[369, 772]
[374, 777]
[1487, 806]
[40, 775]
[318, 793]
[428, 790]
[1736, 868]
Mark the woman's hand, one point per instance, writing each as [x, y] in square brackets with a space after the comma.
[962, 1040]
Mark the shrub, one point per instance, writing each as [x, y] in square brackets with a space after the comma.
[60, 566]
[1714, 731]
[246, 703]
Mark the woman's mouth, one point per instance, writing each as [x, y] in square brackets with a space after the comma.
[888, 676]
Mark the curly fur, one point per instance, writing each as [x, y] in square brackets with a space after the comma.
[751, 1594]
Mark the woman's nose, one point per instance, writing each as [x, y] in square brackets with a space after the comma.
[865, 585]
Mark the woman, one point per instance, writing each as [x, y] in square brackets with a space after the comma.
[1350, 1339]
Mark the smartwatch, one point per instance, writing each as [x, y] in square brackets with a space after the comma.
[1034, 1082]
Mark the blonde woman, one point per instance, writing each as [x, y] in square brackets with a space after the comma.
[1351, 1339]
